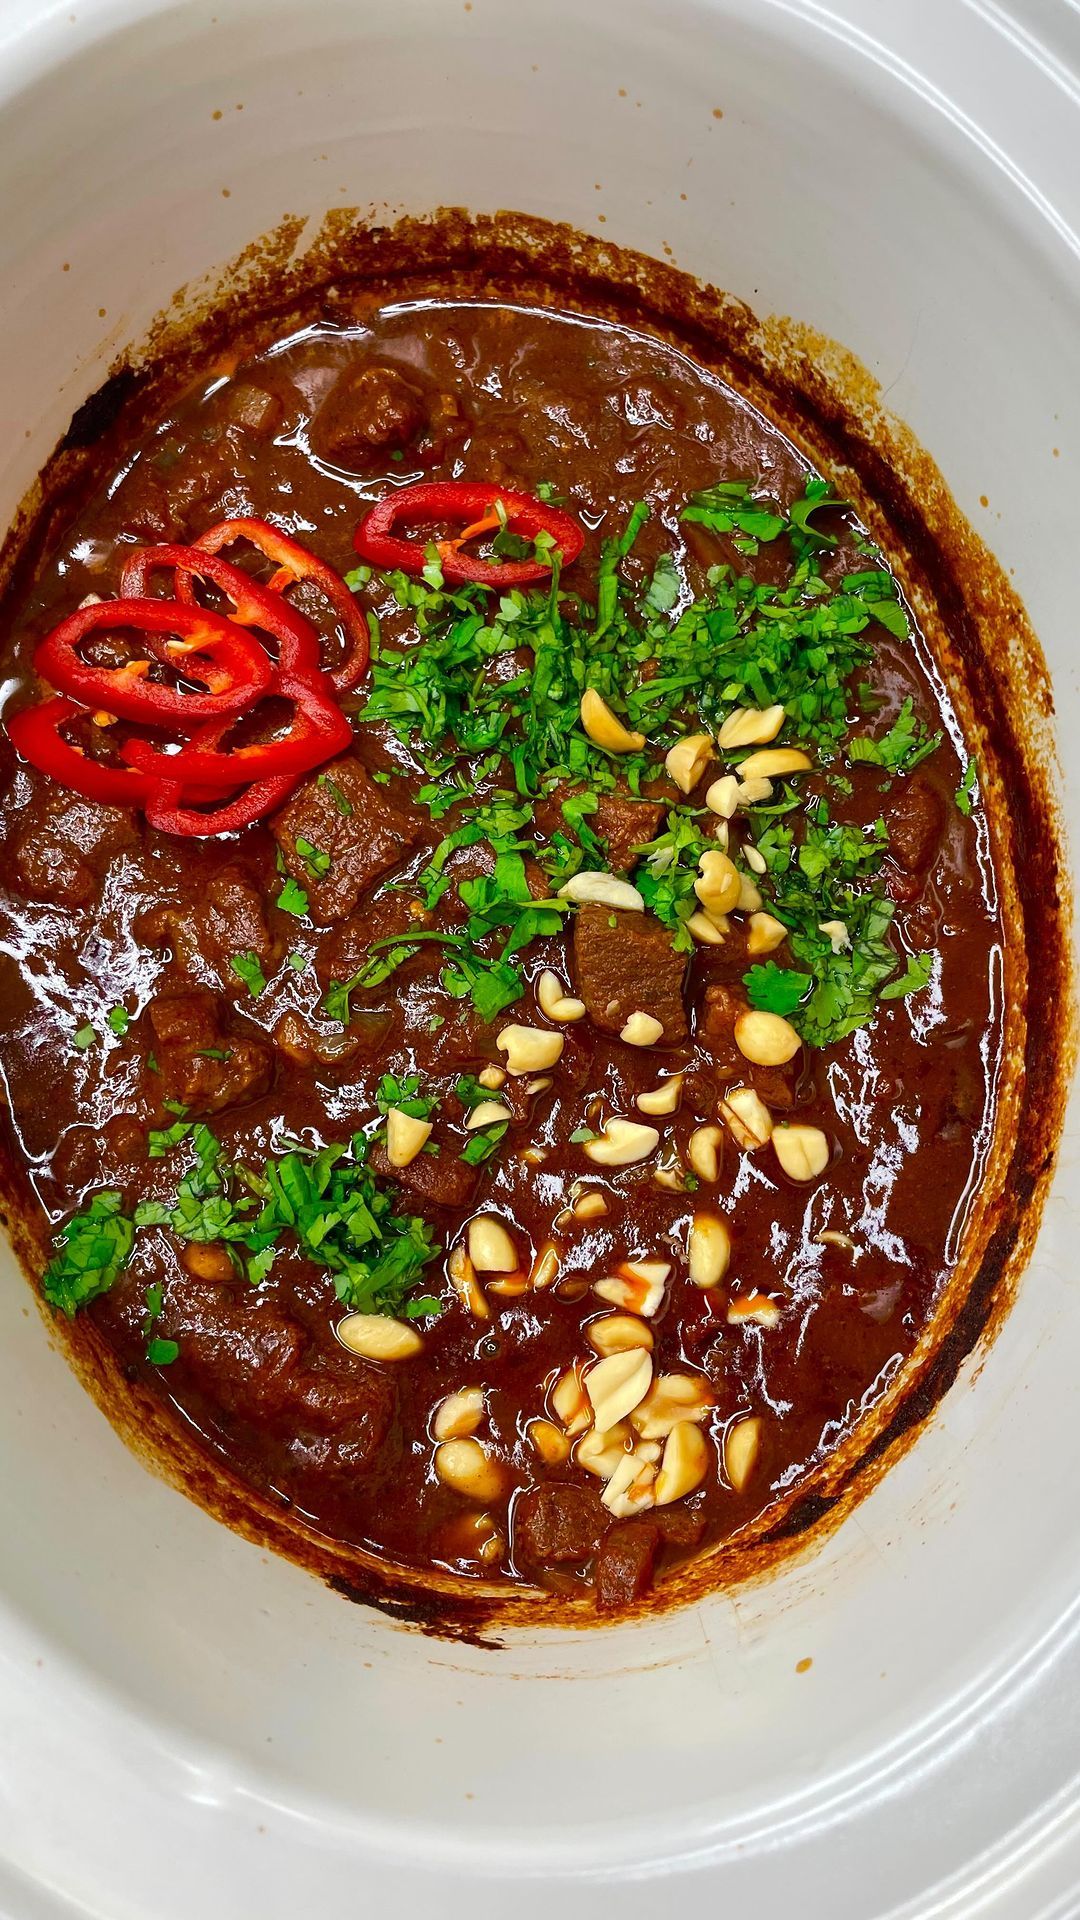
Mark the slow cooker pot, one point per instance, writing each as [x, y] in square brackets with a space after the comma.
[886, 1725]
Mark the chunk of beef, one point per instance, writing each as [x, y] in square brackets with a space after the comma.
[342, 951]
[440, 1179]
[207, 1061]
[58, 847]
[352, 832]
[624, 1564]
[624, 963]
[620, 821]
[679, 1525]
[367, 408]
[916, 822]
[223, 916]
[721, 1006]
[557, 1523]
[253, 1362]
[253, 409]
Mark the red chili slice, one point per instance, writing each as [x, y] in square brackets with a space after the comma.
[217, 653]
[169, 808]
[319, 730]
[35, 733]
[472, 505]
[253, 604]
[293, 562]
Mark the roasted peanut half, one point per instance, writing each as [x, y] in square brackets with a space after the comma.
[803, 1152]
[642, 1030]
[464, 1466]
[718, 885]
[602, 890]
[704, 1152]
[673, 1397]
[753, 1306]
[492, 1077]
[618, 1333]
[616, 1385]
[570, 1402]
[554, 999]
[489, 1113]
[459, 1414]
[375, 1337]
[631, 1488]
[405, 1136]
[545, 1268]
[773, 762]
[742, 1444]
[529, 1049]
[491, 1249]
[621, 1143]
[708, 930]
[661, 1099]
[751, 726]
[764, 933]
[466, 1285]
[548, 1443]
[604, 728]
[638, 1286]
[766, 1038]
[747, 1118]
[687, 760]
[710, 1250]
[684, 1464]
[600, 1453]
[723, 796]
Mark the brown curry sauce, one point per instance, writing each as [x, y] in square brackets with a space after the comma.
[608, 412]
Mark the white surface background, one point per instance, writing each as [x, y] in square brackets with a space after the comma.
[187, 1728]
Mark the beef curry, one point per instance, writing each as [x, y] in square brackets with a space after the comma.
[499, 954]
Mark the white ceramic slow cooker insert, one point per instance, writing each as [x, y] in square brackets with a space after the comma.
[190, 1726]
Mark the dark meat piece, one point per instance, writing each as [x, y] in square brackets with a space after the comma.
[59, 846]
[343, 950]
[558, 1522]
[624, 1565]
[253, 409]
[680, 1526]
[440, 1179]
[367, 408]
[205, 1060]
[625, 963]
[361, 843]
[621, 822]
[916, 822]
[143, 503]
[224, 916]
[248, 1358]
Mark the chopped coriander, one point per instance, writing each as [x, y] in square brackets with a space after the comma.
[93, 1249]
[292, 898]
[776, 989]
[315, 859]
[297, 961]
[405, 1096]
[119, 1020]
[161, 1353]
[901, 749]
[162, 1140]
[967, 791]
[340, 800]
[916, 975]
[151, 1063]
[483, 1143]
[581, 1134]
[84, 1038]
[215, 1053]
[246, 968]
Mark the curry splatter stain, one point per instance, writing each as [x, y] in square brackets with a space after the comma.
[804, 1665]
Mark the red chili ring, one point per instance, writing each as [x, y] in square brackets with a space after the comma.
[470, 504]
[253, 604]
[294, 562]
[232, 666]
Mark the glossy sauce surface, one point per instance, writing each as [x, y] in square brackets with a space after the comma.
[98, 911]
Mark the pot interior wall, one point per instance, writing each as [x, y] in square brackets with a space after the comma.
[145, 146]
